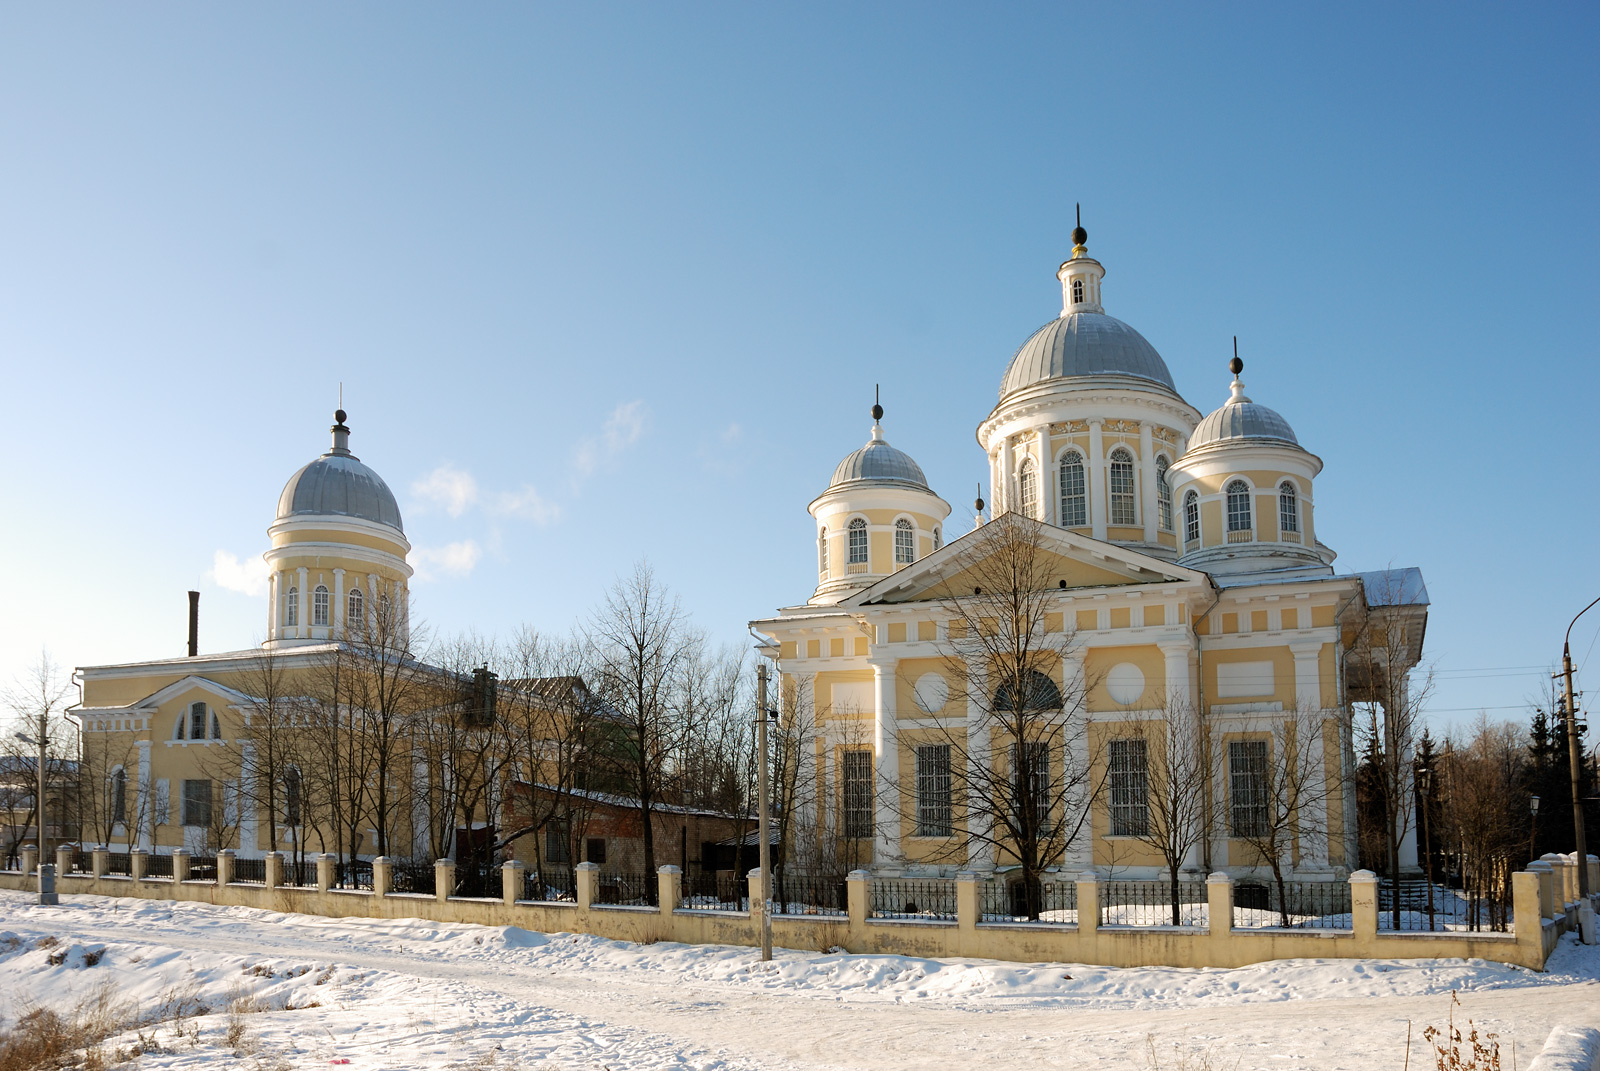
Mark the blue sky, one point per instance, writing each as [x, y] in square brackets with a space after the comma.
[618, 282]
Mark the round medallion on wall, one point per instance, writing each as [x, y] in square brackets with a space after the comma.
[932, 692]
[1125, 682]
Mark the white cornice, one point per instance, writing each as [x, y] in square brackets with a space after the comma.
[329, 523]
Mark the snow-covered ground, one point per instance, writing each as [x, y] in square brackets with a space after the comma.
[371, 994]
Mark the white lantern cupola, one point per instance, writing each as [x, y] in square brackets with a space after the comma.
[1080, 277]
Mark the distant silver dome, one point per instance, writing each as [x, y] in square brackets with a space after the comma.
[1084, 344]
[339, 485]
[1241, 418]
[878, 462]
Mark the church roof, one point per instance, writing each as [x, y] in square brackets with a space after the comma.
[878, 462]
[1241, 418]
[1084, 344]
[338, 484]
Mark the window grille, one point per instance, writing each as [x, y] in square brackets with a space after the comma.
[197, 722]
[1028, 483]
[1238, 506]
[119, 796]
[1074, 503]
[356, 610]
[197, 803]
[933, 790]
[291, 607]
[905, 542]
[319, 606]
[822, 554]
[1288, 508]
[1191, 518]
[1247, 772]
[1122, 494]
[1077, 290]
[857, 793]
[858, 542]
[1030, 785]
[1130, 811]
[1163, 494]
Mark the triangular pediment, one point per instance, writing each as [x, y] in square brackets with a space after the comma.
[191, 683]
[1078, 561]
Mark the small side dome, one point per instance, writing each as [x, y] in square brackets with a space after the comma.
[879, 463]
[337, 484]
[1240, 418]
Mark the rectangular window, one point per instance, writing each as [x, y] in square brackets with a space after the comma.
[594, 850]
[1074, 505]
[197, 803]
[857, 778]
[933, 790]
[1247, 776]
[197, 722]
[1288, 515]
[556, 842]
[1130, 811]
[1030, 785]
[1122, 507]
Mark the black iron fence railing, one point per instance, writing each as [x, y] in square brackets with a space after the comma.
[1152, 903]
[1424, 907]
[912, 898]
[82, 863]
[250, 871]
[300, 872]
[356, 875]
[809, 894]
[480, 881]
[120, 863]
[413, 878]
[1053, 901]
[158, 866]
[554, 885]
[1302, 905]
[714, 890]
[202, 868]
[626, 888]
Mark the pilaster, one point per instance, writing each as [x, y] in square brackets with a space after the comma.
[1095, 469]
[886, 747]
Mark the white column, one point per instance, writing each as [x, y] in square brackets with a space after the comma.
[1314, 835]
[338, 605]
[1184, 724]
[146, 804]
[981, 856]
[1008, 475]
[273, 587]
[1095, 466]
[304, 601]
[1079, 855]
[249, 837]
[1147, 481]
[1049, 486]
[886, 748]
[421, 812]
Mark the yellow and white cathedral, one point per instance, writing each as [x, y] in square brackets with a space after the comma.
[1190, 577]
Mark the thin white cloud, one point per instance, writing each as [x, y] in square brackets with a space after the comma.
[246, 577]
[452, 559]
[527, 504]
[622, 429]
[448, 487]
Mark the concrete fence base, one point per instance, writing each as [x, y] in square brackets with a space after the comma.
[1531, 938]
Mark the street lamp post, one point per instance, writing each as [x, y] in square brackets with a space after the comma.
[762, 822]
[1425, 783]
[1533, 823]
[1575, 757]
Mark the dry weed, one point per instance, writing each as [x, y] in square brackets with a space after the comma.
[1187, 1059]
[1453, 1052]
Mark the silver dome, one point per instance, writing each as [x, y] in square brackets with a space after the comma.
[337, 484]
[1084, 344]
[879, 462]
[1241, 418]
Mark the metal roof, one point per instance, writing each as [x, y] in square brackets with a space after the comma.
[1394, 587]
[340, 485]
[1241, 418]
[1084, 344]
[878, 462]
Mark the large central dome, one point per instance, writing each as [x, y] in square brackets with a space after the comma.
[1084, 344]
[337, 484]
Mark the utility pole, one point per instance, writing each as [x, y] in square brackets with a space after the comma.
[761, 792]
[1575, 759]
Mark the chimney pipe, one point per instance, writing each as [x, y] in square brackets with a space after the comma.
[194, 623]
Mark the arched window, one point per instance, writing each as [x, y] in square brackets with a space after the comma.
[197, 721]
[938, 539]
[1028, 485]
[1163, 494]
[1077, 291]
[1238, 506]
[1191, 518]
[291, 797]
[1074, 503]
[1122, 493]
[1040, 693]
[1288, 508]
[291, 607]
[319, 606]
[355, 610]
[905, 542]
[822, 554]
[858, 542]
[119, 796]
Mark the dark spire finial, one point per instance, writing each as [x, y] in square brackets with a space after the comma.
[877, 410]
[1236, 366]
[1079, 235]
[978, 502]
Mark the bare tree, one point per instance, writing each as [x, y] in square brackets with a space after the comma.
[38, 700]
[1483, 782]
[274, 720]
[1158, 778]
[1279, 791]
[641, 643]
[1025, 789]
